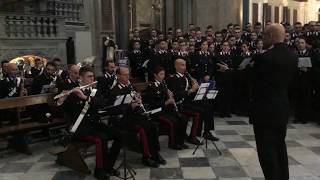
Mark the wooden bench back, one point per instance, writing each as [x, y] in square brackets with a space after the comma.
[139, 87]
[15, 102]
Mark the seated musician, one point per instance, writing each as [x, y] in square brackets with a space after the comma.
[44, 83]
[91, 126]
[37, 70]
[73, 78]
[184, 88]
[109, 78]
[135, 120]
[158, 95]
[10, 86]
[3, 69]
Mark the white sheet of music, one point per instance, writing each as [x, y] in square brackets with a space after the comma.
[244, 63]
[212, 94]
[119, 100]
[304, 62]
[201, 91]
[128, 99]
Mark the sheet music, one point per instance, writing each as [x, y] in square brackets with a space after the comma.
[244, 63]
[304, 62]
[201, 91]
[128, 99]
[212, 94]
[46, 88]
[119, 100]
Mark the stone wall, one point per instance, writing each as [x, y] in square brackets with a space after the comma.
[218, 13]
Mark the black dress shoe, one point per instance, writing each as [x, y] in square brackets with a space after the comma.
[194, 140]
[113, 172]
[150, 162]
[159, 159]
[175, 147]
[209, 136]
[184, 146]
[101, 174]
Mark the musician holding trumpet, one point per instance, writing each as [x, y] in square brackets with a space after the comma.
[158, 95]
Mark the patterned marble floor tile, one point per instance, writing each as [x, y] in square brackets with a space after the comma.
[198, 173]
[230, 172]
[170, 173]
[253, 171]
[16, 167]
[194, 162]
[245, 156]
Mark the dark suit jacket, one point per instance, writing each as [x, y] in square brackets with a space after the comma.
[273, 72]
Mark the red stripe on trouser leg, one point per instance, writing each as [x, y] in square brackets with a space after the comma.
[99, 153]
[170, 126]
[195, 122]
[143, 139]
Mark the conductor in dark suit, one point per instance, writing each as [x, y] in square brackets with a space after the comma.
[273, 71]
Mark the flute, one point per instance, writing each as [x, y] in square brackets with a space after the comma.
[69, 92]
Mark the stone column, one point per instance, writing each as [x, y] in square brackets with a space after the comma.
[260, 12]
[122, 23]
[246, 11]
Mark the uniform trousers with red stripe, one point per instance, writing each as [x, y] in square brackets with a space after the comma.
[147, 132]
[176, 124]
[100, 134]
[205, 111]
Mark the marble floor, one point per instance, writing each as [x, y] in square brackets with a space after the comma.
[238, 162]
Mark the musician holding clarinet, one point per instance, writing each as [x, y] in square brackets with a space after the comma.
[184, 88]
[136, 120]
[158, 95]
[81, 105]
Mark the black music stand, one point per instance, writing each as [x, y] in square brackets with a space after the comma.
[205, 94]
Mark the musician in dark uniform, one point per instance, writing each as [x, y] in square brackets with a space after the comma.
[72, 81]
[91, 127]
[157, 95]
[303, 86]
[135, 120]
[37, 70]
[44, 83]
[203, 63]
[316, 84]
[184, 88]
[273, 71]
[161, 58]
[183, 54]
[137, 58]
[10, 86]
[225, 80]
[242, 80]
[108, 80]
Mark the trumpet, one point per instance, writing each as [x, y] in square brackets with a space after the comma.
[66, 93]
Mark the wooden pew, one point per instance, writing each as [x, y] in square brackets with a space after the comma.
[26, 126]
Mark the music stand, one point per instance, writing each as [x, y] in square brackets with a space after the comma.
[205, 94]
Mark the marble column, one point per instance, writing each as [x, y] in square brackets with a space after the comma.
[246, 11]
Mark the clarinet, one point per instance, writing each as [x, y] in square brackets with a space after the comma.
[174, 101]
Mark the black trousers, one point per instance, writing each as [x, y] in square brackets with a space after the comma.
[303, 98]
[206, 110]
[136, 121]
[104, 133]
[225, 96]
[177, 125]
[272, 151]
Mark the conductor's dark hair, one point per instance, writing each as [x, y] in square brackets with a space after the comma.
[84, 70]
[158, 69]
